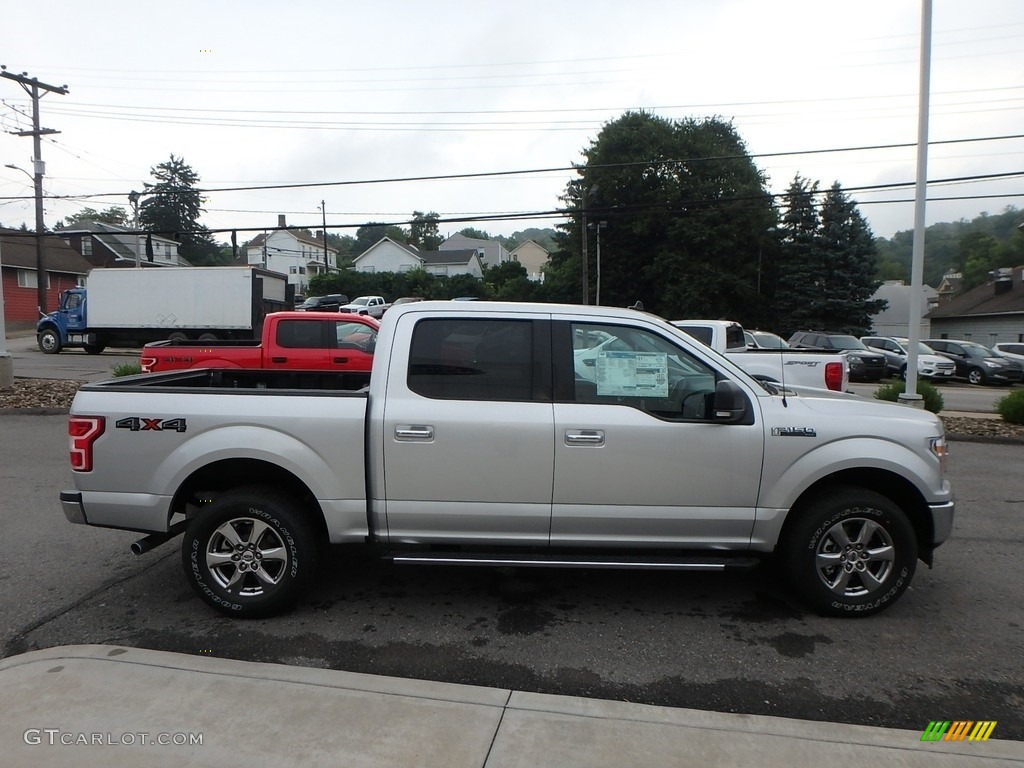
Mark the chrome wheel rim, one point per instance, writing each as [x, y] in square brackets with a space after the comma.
[855, 557]
[246, 557]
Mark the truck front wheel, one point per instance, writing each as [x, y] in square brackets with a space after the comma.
[852, 552]
[250, 553]
[49, 341]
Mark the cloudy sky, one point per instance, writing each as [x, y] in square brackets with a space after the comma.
[375, 107]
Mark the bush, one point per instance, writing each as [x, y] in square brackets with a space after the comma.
[892, 391]
[1011, 407]
[126, 369]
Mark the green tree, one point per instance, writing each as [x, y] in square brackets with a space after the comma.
[423, 232]
[849, 254]
[685, 211]
[509, 281]
[828, 267]
[115, 215]
[372, 233]
[476, 234]
[979, 254]
[172, 207]
[801, 270]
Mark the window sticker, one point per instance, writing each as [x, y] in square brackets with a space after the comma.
[632, 374]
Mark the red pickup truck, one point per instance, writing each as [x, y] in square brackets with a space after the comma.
[321, 341]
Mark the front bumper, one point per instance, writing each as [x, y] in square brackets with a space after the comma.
[942, 521]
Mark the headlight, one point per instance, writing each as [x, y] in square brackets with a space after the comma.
[992, 365]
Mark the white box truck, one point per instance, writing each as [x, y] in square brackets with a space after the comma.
[132, 307]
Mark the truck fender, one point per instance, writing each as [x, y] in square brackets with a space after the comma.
[876, 454]
[342, 498]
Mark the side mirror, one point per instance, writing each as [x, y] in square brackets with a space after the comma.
[731, 405]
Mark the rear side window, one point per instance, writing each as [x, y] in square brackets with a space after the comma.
[301, 334]
[474, 359]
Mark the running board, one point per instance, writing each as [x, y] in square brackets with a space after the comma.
[696, 563]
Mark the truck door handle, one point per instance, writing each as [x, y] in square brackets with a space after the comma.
[279, 359]
[341, 360]
[584, 437]
[414, 433]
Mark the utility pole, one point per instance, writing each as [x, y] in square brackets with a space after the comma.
[32, 86]
[323, 210]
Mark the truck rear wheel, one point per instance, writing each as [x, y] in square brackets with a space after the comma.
[852, 552]
[49, 341]
[250, 553]
[94, 349]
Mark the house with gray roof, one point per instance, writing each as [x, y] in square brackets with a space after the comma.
[894, 320]
[491, 252]
[292, 251]
[108, 245]
[988, 314]
[387, 255]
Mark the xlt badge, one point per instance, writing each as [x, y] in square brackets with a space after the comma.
[794, 432]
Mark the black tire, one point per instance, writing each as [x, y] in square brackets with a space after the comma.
[903, 373]
[851, 552]
[49, 341]
[208, 337]
[976, 376]
[250, 553]
[94, 349]
[177, 336]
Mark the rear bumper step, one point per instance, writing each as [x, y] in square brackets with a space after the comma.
[688, 563]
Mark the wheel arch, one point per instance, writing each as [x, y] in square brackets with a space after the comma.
[894, 487]
[212, 480]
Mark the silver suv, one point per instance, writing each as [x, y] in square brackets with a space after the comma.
[897, 350]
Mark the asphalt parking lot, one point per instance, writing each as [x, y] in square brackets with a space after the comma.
[951, 648]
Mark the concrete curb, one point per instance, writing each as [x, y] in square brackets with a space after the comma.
[261, 714]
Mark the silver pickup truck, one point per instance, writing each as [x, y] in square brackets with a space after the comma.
[513, 435]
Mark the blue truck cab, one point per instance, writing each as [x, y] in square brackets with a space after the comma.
[67, 326]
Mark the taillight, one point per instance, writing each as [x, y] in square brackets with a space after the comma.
[83, 431]
[834, 376]
[146, 364]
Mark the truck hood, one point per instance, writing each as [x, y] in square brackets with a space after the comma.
[847, 405]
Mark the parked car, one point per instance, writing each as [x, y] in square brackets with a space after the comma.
[1010, 349]
[374, 306]
[330, 303]
[897, 351]
[764, 340]
[865, 365]
[976, 363]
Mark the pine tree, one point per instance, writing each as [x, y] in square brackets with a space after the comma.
[799, 297]
[172, 208]
[850, 256]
